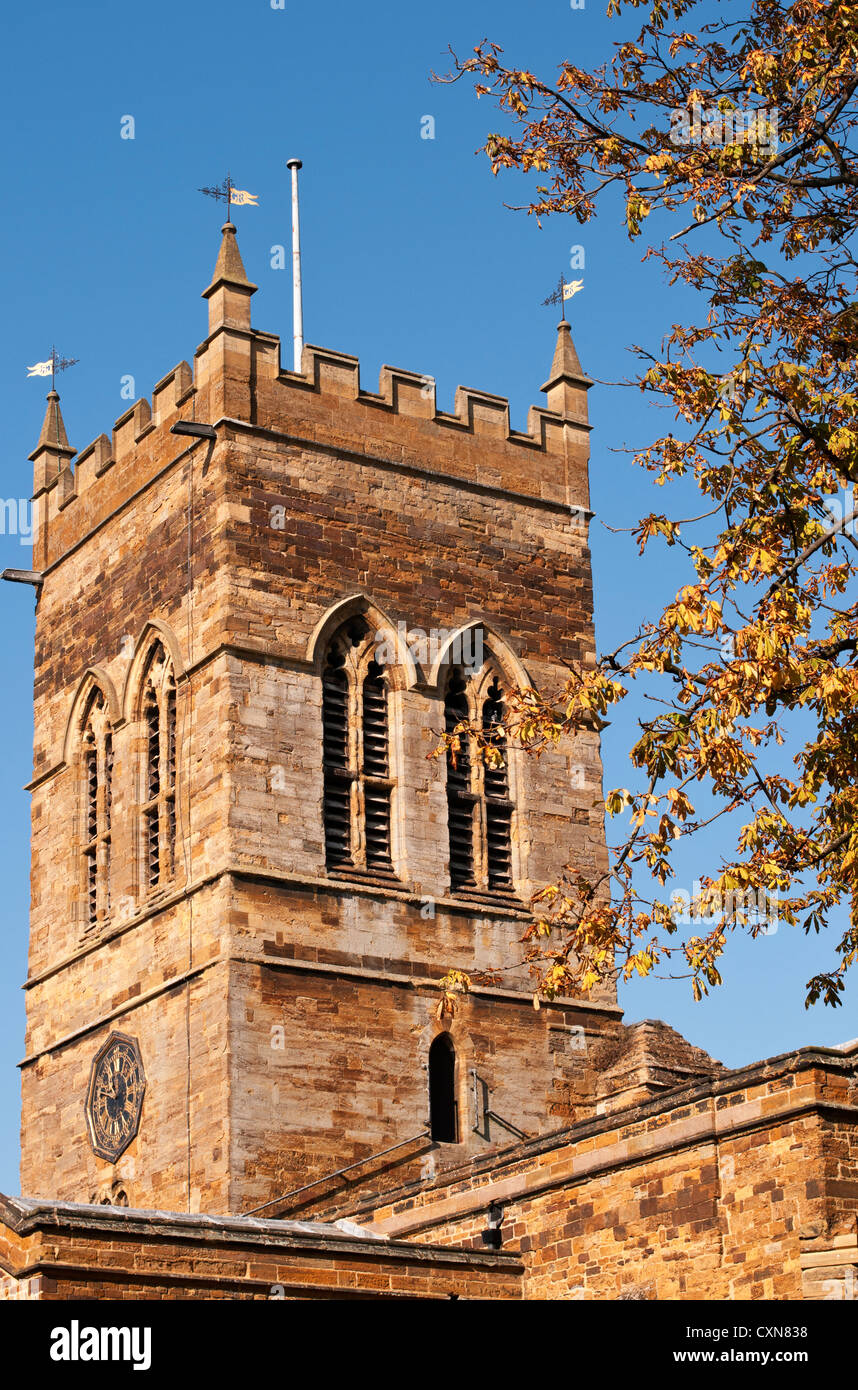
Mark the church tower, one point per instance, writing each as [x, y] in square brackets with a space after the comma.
[260, 601]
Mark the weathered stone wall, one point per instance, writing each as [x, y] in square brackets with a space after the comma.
[60, 1251]
[738, 1188]
[333, 1065]
[180, 1156]
[829, 1259]
[431, 556]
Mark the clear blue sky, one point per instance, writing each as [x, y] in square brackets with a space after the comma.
[410, 258]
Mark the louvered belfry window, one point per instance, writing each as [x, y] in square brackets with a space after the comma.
[158, 811]
[91, 850]
[335, 757]
[356, 756]
[479, 804]
[498, 807]
[376, 769]
[170, 799]
[97, 771]
[460, 795]
[108, 811]
[151, 813]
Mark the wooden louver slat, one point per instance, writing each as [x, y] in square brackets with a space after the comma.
[152, 719]
[375, 769]
[498, 805]
[337, 782]
[108, 810]
[171, 774]
[97, 766]
[460, 801]
[91, 852]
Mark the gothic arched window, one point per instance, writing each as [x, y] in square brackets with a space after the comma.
[460, 796]
[443, 1111]
[96, 777]
[479, 804]
[356, 754]
[335, 759]
[496, 803]
[158, 799]
[375, 784]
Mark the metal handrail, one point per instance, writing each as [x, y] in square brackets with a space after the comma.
[338, 1173]
[483, 1112]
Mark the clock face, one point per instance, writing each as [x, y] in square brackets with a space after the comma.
[115, 1097]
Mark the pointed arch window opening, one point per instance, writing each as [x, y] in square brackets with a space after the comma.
[497, 803]
[358, 786]
[108, 812]
[375, 785]
[158, 808]
[461, 799]
[479, 801]
[97, 777]
[338, 775]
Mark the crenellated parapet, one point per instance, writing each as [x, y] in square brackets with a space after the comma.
[413, 397]
[237, 379]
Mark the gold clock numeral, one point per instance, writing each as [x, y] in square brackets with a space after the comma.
[116, 1093]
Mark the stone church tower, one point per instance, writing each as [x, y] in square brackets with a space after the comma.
[261, 599]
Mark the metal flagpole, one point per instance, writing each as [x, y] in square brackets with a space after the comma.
[297, 301]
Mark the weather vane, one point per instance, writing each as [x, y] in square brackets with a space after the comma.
[53, 364]
[227, 192]
[565, 290]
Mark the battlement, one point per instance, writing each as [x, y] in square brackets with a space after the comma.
[237, 378]
[413, 396]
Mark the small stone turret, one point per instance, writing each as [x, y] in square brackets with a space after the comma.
[51, 460]
[53, 453]
[225, 362]
[230, 291]
[567, 385]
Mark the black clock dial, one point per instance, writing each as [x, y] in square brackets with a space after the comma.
[115, 1097]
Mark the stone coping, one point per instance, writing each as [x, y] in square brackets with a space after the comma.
[26, 1215]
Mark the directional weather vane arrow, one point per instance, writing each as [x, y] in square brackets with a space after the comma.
[227, 192]
[53, 364]
[565, 290]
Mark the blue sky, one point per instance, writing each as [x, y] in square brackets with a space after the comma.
[410, 258]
